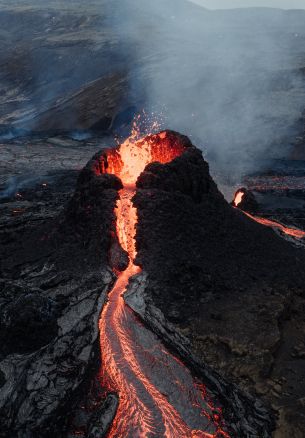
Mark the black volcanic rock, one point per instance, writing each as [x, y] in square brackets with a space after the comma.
[28, 323]
[40, 389]
[186, 175]
[88, 223]
[221, 281]
[54, 281]
[191, 224]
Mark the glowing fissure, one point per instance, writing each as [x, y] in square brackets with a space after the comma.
[157, 394]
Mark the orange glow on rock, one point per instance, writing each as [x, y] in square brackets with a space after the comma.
[144, 411]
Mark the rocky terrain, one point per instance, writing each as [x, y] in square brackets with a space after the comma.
[52, 293]
[203, 261]
[222, 291]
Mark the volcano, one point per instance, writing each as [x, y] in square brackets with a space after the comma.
[133, 360]
[159, 293]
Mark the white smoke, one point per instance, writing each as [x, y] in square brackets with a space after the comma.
[226, 4]
[231, 80]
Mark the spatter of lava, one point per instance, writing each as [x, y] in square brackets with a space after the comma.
[157, 395]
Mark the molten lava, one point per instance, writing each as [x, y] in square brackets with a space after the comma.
[238, 198]
[157, 394]
[130, 159]
[299, 234]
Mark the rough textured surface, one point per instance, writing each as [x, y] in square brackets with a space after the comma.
[245, 416]
[102, 420]
[205, 262]
[39, 386]
[88, 222]
[54, 282]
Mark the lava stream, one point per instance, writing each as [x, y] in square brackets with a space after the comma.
[299, 234]
[157, 395]
[294, 232]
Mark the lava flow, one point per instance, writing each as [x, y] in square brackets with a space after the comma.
[157, 395]
[294, 232]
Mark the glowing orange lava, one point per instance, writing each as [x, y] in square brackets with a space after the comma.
[238, 198]
[132, 156]
[144, 410]
[299, 234]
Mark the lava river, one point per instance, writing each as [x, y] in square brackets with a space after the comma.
[158, 397]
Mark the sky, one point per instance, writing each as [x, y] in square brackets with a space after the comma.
[226, 4]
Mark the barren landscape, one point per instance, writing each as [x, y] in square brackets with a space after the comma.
[218, 297]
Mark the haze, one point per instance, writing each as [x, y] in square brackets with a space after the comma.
[229, 4]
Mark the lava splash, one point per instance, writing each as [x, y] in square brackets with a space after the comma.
[158, 396]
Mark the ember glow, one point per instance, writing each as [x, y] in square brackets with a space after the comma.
[157, 394]
[238, 198]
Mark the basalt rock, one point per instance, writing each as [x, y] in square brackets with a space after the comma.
[39, 387]
[187, 175]
[225, 283]
[88, 223]
[102, 420]
[28, 323]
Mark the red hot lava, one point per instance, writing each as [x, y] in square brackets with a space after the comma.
[158, 396]
[238, 198]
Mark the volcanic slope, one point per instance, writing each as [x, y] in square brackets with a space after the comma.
[231, 288]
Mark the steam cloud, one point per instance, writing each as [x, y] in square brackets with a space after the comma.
[231, 80]
[21, 182]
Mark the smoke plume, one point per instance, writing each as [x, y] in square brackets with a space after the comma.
[231, 80]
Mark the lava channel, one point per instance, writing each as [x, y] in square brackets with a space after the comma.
[158, 396]
[294, 232]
